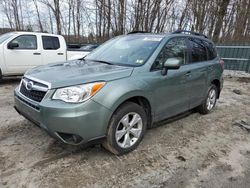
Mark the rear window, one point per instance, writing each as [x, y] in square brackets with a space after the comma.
[50, 43]
[198, 50]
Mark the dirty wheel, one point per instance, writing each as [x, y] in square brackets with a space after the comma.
[126, 129]
[209, 103]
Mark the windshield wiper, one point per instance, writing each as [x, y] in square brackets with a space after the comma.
[101, 61]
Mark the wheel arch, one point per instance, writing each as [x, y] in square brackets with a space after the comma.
[141, 101]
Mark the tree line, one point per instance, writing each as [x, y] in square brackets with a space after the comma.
[99, 20]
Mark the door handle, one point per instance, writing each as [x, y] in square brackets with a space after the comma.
[36, 53]
[210, 67]
[188, 73]
[59, 53]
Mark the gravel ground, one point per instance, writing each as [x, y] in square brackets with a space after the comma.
[194, 151]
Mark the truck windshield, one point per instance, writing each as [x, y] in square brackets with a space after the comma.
[5, 37]
[129, 50]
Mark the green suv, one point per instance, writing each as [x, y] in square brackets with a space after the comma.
[121, 88]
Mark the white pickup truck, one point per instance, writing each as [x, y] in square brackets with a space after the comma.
[20, 51]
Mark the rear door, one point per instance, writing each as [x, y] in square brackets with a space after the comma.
[23, 57]
[54, 49]
[197, 79]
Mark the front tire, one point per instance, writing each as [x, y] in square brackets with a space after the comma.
[209, 103]
[126, 128]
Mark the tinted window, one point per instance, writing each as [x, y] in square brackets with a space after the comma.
[175, 48]
[210, 50]
[27, 42]
[197, 50]
[50, 43]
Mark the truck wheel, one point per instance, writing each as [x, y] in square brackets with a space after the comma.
[126, 128]
[209, 103]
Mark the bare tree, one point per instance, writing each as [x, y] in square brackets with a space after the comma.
[54, 6]
[99, 20]
[38, 16]
[223, 4]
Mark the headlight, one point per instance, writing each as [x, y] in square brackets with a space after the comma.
[79, 93]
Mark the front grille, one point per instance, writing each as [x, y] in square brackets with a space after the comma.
[32, 94]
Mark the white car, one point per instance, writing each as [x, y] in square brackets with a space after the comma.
[20, 51]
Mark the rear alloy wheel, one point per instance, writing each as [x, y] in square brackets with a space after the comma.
[210, 101]
[126, 128]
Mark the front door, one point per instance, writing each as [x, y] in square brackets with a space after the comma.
[170, 91]
[26, 55]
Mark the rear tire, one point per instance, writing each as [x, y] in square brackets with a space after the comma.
[126, 129]
[210, 101]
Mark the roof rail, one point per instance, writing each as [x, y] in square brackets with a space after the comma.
[190, 32]
[133, 32]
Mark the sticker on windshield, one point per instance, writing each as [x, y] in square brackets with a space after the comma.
[155, 39]
[139, 61]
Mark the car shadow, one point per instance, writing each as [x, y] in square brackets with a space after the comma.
[58, 150]
[10, 81]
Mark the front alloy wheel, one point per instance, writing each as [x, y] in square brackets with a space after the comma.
[126, 128]
[129, 130]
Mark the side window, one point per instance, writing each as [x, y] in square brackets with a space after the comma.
[211, 50]
[50, 43]
[198, 50]
[175, 48]
[25, 42]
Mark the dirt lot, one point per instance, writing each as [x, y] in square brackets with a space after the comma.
[194, 151]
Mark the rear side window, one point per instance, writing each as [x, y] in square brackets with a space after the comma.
[50, 43]
[198, 50]
[211, 50]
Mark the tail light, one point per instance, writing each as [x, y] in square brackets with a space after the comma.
[222, 63]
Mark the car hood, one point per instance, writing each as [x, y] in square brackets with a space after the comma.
[78, 72]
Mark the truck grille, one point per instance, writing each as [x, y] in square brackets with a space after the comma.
[33, 90]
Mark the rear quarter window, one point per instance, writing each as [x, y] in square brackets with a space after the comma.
[50, 43]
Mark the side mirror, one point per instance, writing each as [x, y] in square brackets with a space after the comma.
[171, 63]
[13, 45]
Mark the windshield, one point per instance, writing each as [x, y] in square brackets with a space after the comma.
[130, 50]
[5, 37]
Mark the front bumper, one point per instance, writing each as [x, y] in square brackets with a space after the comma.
[86, 121]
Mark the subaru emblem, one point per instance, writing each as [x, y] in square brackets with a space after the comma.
[29, 85]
